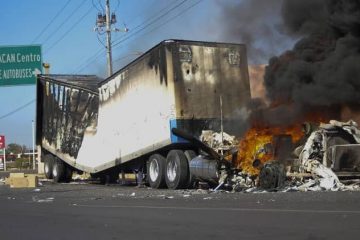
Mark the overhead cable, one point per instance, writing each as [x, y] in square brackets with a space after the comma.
[65, 21]
[68, 31]
[17, 109]
[52, 20]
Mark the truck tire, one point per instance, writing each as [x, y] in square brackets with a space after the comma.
[58, 171]
[190, 154]
[68, 174]
[177, 170]
[48, 166]
[156, 171]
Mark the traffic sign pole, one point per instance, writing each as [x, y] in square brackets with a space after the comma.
[4, 159]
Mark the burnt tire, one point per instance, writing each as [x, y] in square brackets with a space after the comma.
[58, 170]
[48, 166]
[177, 170]
[190, 154]
[155, 167]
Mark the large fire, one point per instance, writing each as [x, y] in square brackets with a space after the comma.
[251, 147]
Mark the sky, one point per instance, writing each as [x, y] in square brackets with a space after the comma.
[65, 31]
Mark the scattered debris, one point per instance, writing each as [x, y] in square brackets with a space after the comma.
[37, 190]
[331, 151]
[218, 141]
[133, 194]
[96, 198]
[76, 183]
[80, 177]
[20, 180]
[46, 200]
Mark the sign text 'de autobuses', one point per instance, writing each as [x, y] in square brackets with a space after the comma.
[20, 64]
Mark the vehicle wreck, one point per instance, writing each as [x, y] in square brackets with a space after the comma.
[186, 131]
[328, 160]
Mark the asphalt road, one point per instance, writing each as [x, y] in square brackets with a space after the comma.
[91, 211]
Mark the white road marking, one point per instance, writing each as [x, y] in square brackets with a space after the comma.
[223, 209]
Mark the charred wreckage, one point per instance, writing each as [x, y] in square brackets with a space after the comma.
[327, 157]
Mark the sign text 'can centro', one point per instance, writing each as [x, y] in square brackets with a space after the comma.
[20, 64]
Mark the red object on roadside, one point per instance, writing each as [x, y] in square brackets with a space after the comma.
[2, 142]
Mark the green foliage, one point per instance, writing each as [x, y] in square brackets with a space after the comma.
[14, 148]
[22, 163]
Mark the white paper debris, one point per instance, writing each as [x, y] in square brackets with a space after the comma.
[217, 140]
[46, 200]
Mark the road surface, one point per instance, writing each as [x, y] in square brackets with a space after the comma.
[92, 211]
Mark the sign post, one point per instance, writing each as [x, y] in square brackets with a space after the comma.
[3, 146]
[19, 65]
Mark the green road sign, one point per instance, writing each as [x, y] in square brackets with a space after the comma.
[20, 64]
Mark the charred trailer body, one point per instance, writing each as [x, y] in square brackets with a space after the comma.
[66, 106]
[177, 84]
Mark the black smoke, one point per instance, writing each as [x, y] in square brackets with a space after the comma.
[257, 23]
[323, 68]
[319, 74]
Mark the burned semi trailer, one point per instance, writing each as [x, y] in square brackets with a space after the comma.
[186, 85]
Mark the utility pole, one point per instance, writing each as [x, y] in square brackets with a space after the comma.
[103, 24]
[108, 38]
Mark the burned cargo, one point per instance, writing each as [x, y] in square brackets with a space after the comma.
[323, 158]
[124, 123]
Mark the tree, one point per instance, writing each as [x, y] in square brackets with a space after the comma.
[14, 148]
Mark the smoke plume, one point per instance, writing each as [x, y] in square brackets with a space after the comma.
[320, 74]
[323, 68]
[257, 23]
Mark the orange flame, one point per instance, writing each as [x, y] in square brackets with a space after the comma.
[255, 139]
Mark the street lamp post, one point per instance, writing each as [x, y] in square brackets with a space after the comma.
[33, 143]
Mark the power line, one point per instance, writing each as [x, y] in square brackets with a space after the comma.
[95, 6]
[93, 58]
[90, 60]
[52, 20]
[65, 21]
[103, 10]
[174, 17]
[150, 18]
[70, 29]
[17, 109]
[171, 19]
[151, 22]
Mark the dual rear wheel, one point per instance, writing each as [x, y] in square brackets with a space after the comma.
[56, 169]
[172, 171]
